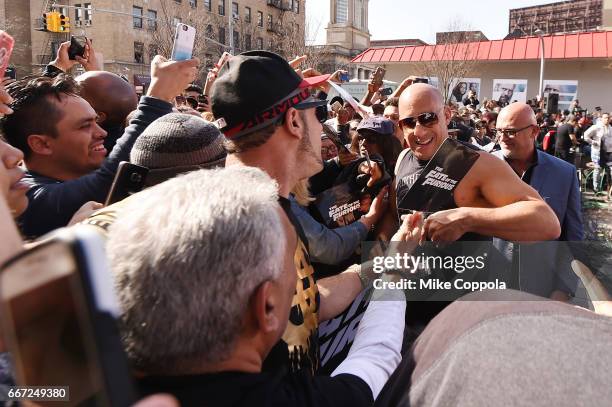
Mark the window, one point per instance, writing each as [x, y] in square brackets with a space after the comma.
[222, 35]
[247, 42]
[221, 7]
[152, 20]
[88, 12]
[152, 51]
[296, 6]
[270, 22]
[236, 38]
[78, 12]
[235, 10]
[139, 52]
[137, 16]
[259, 19]
[207, 5]
[342, 11]
[208, 32]
[193, 3]
[247, 14]
[259, 43]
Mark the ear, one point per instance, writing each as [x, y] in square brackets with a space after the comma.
[265, 304]
[294, 123]
[40, 144]
[447, 114]
[101, 117]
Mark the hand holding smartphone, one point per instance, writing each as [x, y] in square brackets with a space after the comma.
[77, 47]
[59, 313]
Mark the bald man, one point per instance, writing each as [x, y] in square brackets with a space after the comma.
[490, 200]
[557, 182]
[112, 98]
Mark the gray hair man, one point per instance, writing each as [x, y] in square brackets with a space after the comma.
[206, 288]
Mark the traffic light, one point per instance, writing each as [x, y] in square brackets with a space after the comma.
[64, 23]
[51, 21]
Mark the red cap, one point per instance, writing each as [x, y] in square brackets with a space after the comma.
[313, 81]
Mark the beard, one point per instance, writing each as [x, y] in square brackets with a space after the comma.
[307, 153]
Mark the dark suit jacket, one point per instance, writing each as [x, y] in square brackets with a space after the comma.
[545, 267]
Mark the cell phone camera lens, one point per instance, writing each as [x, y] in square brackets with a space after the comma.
[184, 28]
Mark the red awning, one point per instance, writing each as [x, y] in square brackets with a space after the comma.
[566, 46]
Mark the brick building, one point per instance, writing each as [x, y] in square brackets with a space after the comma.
[128, 33]
[561, 17]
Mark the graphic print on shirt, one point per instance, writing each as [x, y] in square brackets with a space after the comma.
[301, 334]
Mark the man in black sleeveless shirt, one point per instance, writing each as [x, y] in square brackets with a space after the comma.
[490, 200]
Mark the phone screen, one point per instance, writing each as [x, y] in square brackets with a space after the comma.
[46, 324]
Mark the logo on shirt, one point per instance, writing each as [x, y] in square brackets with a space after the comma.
[438, 179]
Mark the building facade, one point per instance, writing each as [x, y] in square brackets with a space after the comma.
[561, 17]
[347, 36]
[127, 34]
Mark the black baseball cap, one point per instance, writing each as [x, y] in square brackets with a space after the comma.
[258, 88]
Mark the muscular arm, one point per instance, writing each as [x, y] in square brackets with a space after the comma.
[516, 212]
[519, 213]
[337, 293]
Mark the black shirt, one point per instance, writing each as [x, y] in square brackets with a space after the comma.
[299, 345]
[564, 142]
[261, 389]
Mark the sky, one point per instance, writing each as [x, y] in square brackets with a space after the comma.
[397, 19]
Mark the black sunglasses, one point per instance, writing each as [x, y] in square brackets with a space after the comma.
[424, 119]
[320, 109]
[511, 132]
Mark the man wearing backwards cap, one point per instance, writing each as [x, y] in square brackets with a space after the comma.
[271, 121]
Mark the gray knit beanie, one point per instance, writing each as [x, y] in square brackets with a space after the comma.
[178, 140]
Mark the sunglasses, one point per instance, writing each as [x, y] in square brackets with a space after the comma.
[424, 119]
[320, 108]
[511, 132]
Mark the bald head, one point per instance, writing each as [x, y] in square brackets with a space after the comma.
[518, 114]
[517, 142]
[111, 97]
[424, 137]
[421, 92]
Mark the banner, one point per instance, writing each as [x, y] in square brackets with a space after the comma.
[461, 87]
[567, 90]
[506, 91]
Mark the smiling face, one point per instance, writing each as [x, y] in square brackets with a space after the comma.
[424, 140]
[79, 146]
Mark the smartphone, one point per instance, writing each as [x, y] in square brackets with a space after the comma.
[77, 47]
[336, 106]
[6, 49]
[184, 38]
[367, 156]
[225, 57]
[420, 80]
[379, 75]
[129, 179]
[386, 91]
[344, 77]
[59, 316]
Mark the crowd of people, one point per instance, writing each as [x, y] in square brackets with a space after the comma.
[225, 267]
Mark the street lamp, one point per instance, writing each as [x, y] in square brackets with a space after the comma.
[540, 34]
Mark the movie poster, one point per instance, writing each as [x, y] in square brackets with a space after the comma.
[506, 91]
[460, 89]
[567, 90]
